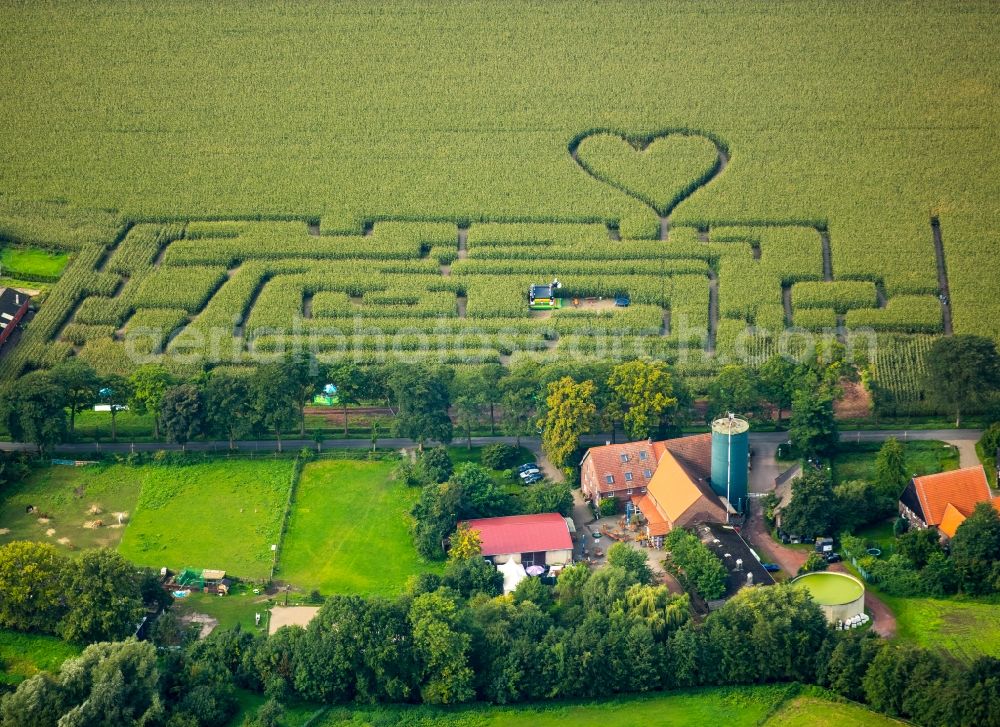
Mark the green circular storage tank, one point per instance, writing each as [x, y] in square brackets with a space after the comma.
[839, 595]
[731, 459]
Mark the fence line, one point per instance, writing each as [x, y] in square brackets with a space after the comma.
[292, 487]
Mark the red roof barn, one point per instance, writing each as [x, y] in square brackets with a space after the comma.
[529, 539]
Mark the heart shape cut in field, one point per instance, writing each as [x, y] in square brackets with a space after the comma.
[663, 173]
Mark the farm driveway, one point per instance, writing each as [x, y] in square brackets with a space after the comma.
[791, 559]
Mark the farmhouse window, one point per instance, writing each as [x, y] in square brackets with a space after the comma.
[610, 479]
[624, 457]
[628, 476]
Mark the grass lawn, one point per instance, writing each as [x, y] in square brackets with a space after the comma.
[69, 498]
[223, 513]
[966, 628]
[249, 702]
[31, 261]
[238, 607]
[349, 530]
[97, 425]
[24, 655]
[856, 461]
[732, 707]
[808, 711]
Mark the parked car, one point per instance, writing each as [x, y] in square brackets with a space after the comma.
[771, 567]
[832, 557]
[529, 471]
[532, 478]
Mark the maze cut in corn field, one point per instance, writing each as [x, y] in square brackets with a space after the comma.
[236, 180]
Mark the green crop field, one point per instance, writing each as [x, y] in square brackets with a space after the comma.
[228, 169]
[349, 532]
[218, 514]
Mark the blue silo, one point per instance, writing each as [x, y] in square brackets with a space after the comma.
[731, 459]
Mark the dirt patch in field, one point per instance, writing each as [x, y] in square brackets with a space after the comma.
[4, 531]
[50, 532]
[856, 402]
[63, 541]
[291, 616]
[207, 623]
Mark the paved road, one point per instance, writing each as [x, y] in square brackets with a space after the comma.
[762, 442]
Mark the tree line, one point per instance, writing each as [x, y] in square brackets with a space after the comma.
[562, 399]
[451, 639]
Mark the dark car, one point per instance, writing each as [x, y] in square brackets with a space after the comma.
[771, 567]
[532, 478]
[526, 467]
[832, 557]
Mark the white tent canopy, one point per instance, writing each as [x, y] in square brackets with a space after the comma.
[513, 573]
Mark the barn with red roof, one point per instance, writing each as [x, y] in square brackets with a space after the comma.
[527, 539]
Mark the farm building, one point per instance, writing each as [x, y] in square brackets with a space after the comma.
[671, 482]
[944, 500]
[13, 306]
[743, 567]
[540, 540]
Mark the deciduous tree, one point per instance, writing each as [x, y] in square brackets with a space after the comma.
[975, 550]
[182, 413]
[642, 396]
[891, 474]
[31, 586]
[813, 428]
[33, 410]
[422, 395]
[962, 372]
[812, 510]
[149, 384]
[569, 413]
[79, 382]
[103, 596]
[228, 405]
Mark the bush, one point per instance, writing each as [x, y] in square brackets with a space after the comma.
[608, 507]
[435, 465]
[500, 456]
[900, 526]
[815, 562]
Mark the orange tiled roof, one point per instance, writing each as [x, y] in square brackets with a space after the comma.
[962, 489]
[951, 520]
[694, 454]
[607, 460]
[672, 488]
[656, 523]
